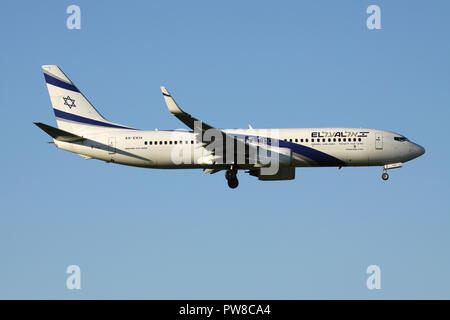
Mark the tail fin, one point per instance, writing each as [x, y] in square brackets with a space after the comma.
[73, 112]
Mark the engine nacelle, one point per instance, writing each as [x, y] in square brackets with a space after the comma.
[284, 173]
[283, 156]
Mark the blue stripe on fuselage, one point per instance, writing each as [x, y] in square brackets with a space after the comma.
[73, 117]
[317, 156]
[322, 158]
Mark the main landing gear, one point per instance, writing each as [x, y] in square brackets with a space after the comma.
[231, 176]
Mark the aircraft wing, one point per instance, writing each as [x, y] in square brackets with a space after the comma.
[200, 126]
[183, 116]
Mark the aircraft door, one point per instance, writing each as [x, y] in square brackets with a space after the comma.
[111, 145]
[378, 141]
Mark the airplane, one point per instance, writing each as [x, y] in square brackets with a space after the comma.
[268, 154]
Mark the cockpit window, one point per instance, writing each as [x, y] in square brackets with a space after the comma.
[401, 139]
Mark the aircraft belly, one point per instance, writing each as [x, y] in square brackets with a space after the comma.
[356, 156]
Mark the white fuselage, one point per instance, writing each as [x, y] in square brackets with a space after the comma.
[310, 147]
[269, 154]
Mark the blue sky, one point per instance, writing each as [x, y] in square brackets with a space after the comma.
[149, 234]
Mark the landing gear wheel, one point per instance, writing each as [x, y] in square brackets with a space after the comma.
[233, 183]
[230, 175]
[385, 176]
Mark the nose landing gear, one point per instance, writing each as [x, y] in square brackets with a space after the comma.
[386, 167]
[231, 176]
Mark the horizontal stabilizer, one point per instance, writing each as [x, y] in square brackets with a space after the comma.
[58, 134]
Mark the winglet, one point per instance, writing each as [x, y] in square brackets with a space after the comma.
[170, 102]
[184, 117]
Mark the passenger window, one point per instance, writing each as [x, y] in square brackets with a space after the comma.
[301, 140]
[334, 139]
[359, 139]
[339, 139]
[306, 140]
[160, 142]
[175, 142]
[170, 142]
[145, 142]
[329, 139]
[323, 140]
[312, 140]
[296, 140]
[345, 140]
[192, 141]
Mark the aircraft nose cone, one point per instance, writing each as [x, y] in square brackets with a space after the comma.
[417, 150]
[421, 150]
